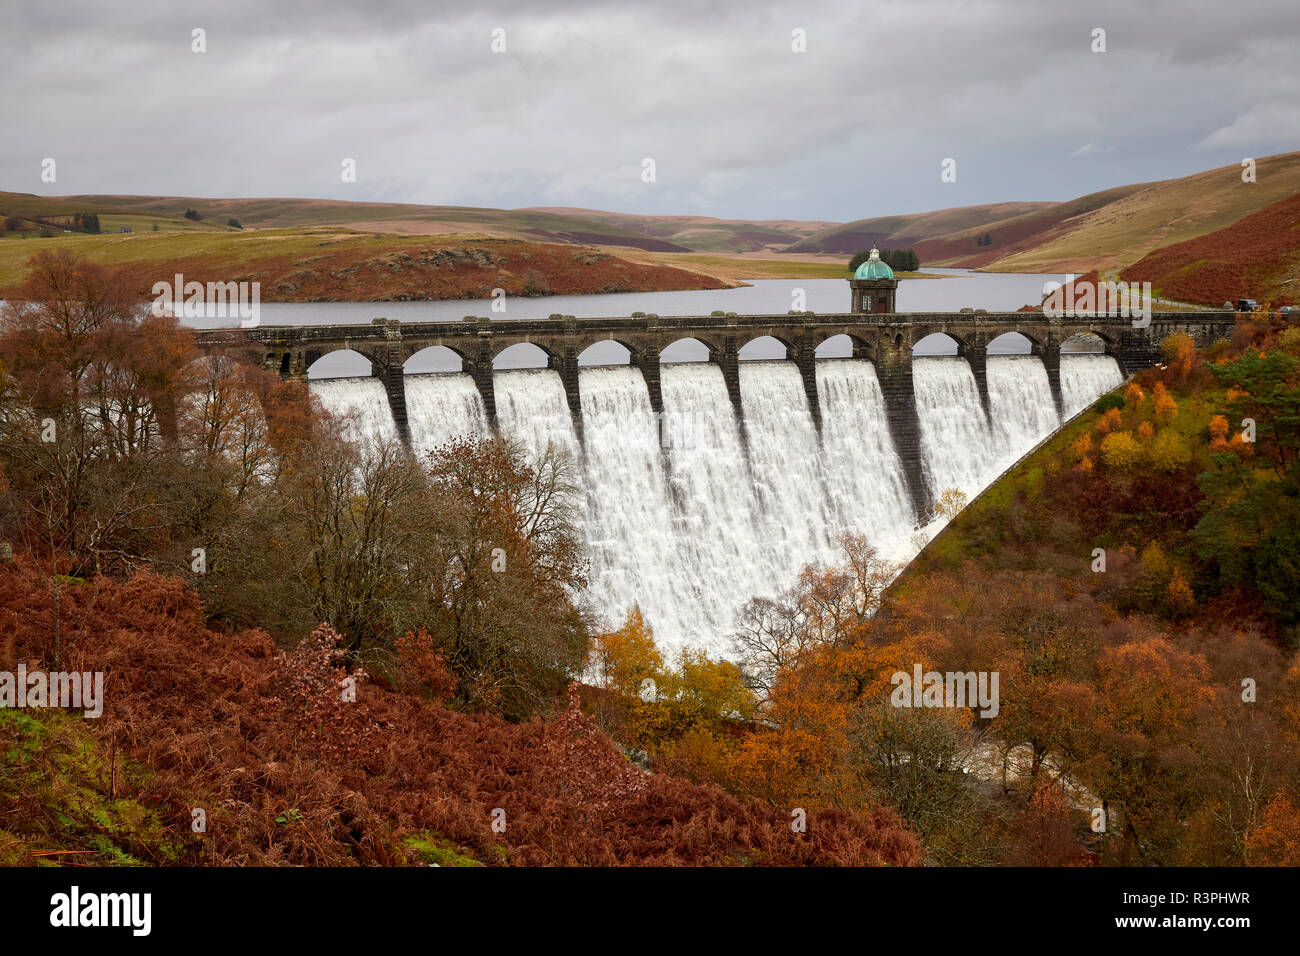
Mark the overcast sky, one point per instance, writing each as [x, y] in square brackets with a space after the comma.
[738, 124]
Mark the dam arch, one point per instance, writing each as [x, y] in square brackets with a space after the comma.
[337, 363]
[435, 359]
[938, 344]
[831, 345]
[1013, 343]
[752, 350]
[690, 348]
[523, 355]
[587, 358]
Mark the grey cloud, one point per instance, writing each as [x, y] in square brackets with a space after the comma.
[738, 124]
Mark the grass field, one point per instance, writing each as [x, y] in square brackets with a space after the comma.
[333, 264]
[236, 250]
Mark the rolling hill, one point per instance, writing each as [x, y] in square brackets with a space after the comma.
[904, 231]
[1256, 257]
[1112, 228]
[1139, 219]
[318, 265]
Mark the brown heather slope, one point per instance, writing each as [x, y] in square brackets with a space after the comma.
[288, 774]
[1256, 257]
[330, 265]
[911, 230]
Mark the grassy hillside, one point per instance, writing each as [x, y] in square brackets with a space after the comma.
[399, 218]
[1022, 232]
[340, 265]
[1120, 232]
[1256, 257]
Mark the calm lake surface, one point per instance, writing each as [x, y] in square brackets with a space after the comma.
[961, 288]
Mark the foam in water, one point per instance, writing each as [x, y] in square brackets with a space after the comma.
[865, 484]
[1021, 407]
[712, 501]
[443, 406]
[630, 531]
[956, 440]
[533, 410]
[793, 515]
[1084, 378]
[360, 403]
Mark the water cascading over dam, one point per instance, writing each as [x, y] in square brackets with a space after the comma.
[443, 407]
[956, 439]
[691, 512]
[1084, 377]
[1021, 409]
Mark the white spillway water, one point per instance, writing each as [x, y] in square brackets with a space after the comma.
[443, 406]
[712, 500]
[793, 517]
[360, 403]
[956, 440]
[1085, 377]
[1020, 406]
[631, 538]
[866, 486]
[533, 410]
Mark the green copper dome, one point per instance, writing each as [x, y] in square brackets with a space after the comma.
[874, 268]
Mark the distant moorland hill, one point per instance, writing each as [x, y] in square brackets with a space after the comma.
[1110, 229]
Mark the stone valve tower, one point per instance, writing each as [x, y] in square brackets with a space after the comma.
[873, 286]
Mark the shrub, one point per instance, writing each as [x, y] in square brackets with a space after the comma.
[1121, 450]
[1107, 402]
[1108, 422]
[1166, 407]
[1169, 452]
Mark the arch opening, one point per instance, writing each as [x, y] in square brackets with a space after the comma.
[340, 363]
[607, 352]
[841, 346]
[762, 349]
[936, 344]
[1011, 343]
[435, 358]
[521, 355]
[684, 350]
[1084, 342]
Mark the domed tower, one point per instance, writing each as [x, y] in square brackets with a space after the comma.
[873, 286]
